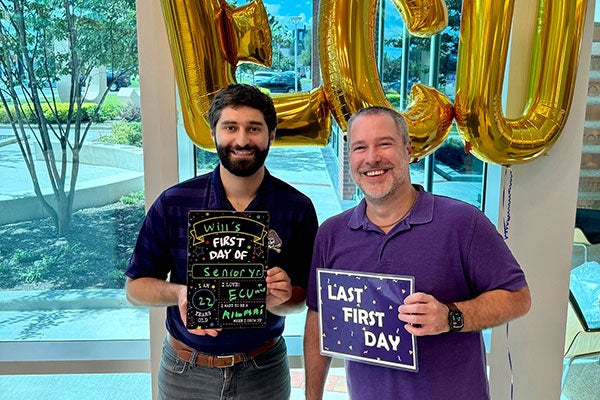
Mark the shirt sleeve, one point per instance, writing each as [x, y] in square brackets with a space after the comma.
[490, 263]
[152, 255]
[302, 250]
[317, 262]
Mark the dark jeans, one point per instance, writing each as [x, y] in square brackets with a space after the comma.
[266, 376]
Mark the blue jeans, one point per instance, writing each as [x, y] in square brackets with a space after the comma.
[266, 376]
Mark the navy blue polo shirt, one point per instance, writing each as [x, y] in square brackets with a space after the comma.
[161, 248]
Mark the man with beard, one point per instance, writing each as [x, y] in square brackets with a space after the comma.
[245, 363]
[465, 277]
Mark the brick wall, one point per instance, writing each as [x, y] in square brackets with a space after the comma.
[346, 185]
[589, 175]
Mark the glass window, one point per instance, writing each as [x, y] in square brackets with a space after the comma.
[72, 197]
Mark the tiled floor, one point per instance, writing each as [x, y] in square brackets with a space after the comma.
[335, 386]
[125, 387]
[583, 381]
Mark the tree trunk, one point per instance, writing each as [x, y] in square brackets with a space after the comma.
[64, 210]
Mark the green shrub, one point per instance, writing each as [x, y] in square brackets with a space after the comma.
[393, 98]
[110, 110]
[3, 116]
[131, 113]
[61, 110]
[452, 153]
[129, 133]
[133, 198]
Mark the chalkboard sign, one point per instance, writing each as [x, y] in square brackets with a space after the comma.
[227, 260]
[358, 318]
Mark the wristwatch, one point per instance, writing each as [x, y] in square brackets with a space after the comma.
[455, 318]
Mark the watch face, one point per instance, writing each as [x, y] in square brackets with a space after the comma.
[455, 320]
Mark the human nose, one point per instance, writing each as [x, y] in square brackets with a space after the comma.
[242, 138]
[372, 155]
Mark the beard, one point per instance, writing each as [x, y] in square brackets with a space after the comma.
[380, 191]
[242, 168]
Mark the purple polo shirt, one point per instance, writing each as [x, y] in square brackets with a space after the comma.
[161, 248]
[455, 253]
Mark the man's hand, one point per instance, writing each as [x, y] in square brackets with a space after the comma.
[183, 313]
[279, 287]
[424, 315]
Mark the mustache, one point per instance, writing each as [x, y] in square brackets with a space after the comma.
[377, 165]
[242, 148]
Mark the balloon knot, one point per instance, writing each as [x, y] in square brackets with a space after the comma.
[468, 147]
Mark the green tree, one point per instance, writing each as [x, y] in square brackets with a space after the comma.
[280, 39]
[42, 42]
[305, 55]
[419, 45]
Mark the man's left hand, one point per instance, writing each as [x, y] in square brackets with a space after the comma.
[424, 315]
[279, 287]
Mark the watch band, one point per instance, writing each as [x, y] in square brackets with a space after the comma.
[452, 307]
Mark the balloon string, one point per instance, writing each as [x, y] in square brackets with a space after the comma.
[506, 200]
[506, 203]
[510, 366]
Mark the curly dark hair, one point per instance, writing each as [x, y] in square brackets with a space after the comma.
[240, 94]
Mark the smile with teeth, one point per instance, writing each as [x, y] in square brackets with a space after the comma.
[242, 152]
[376, 172]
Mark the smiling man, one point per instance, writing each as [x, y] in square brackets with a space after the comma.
[248, 363]
[465, 277]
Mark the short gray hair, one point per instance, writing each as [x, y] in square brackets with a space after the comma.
[398, 118]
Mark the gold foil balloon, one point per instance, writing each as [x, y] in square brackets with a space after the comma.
[208, 39]
[349, 70]
[200, 52]
[425, 17]
[429, 119]
[244, 33]
[484, 40]
[302, 119]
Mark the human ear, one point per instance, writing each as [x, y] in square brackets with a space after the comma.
[272, 137]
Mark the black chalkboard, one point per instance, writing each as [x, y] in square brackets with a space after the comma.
[227, 260]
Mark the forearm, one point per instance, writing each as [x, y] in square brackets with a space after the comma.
[295, 304]
[494, 308]
[316, 366]
[152, 292]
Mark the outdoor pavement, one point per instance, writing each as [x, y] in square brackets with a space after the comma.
[65, 317]
[16, 180]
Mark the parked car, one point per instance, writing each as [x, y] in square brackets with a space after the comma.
[115, 83]
[282, 83]
[397, 84]
[263, 76]
[394, 85]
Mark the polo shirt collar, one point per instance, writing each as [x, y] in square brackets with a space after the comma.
[421, 213]
[218, 200]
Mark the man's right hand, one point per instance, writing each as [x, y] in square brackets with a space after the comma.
[183, 313]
